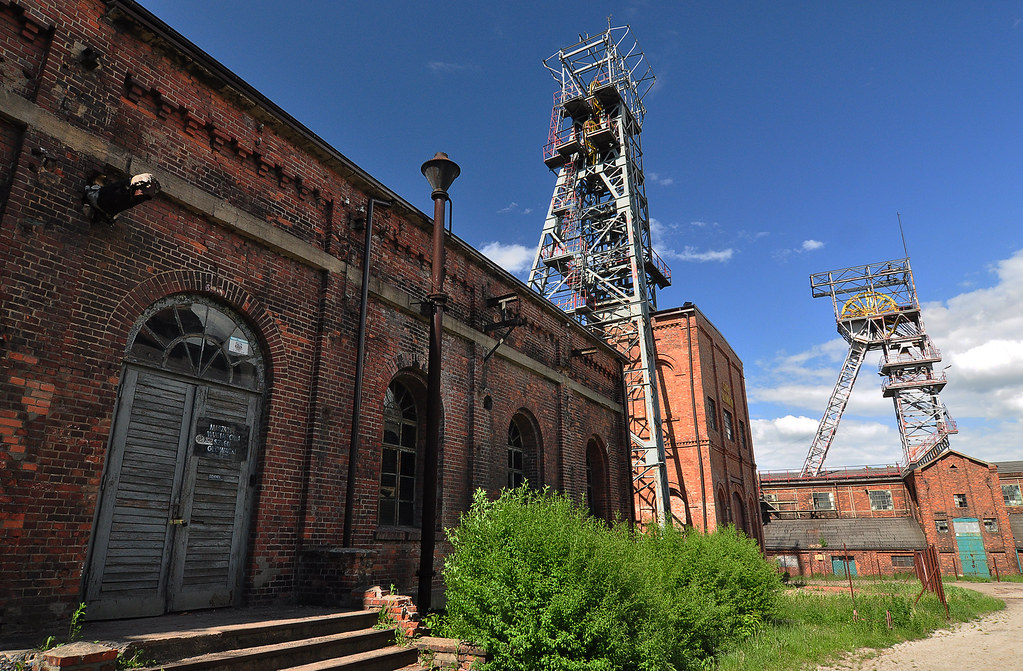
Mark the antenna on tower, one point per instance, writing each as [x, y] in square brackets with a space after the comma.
[906, 251]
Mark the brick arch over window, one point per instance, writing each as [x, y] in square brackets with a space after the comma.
[401, 448]
[722, 507]
[121, 321]
[523, 451]
[598, 484]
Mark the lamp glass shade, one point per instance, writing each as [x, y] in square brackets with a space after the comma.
[440, 171]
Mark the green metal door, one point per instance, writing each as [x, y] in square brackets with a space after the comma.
[971, 547]
[843, 566]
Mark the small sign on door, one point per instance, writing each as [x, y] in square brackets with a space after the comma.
[217, 439]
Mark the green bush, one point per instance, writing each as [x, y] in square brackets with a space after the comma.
[542, 585]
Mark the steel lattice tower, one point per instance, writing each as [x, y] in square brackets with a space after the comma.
[876, 308]
[594, 259]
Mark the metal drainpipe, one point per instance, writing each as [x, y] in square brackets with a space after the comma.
[360, 358]
[696, 424]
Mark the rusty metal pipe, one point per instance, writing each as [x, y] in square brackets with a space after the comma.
[360, 362]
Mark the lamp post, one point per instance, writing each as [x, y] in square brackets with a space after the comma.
[440, 172]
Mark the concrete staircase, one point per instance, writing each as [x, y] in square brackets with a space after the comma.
[321, 643]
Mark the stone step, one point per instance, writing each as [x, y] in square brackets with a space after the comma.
[391, 658]
[286, 654]
[196, 642]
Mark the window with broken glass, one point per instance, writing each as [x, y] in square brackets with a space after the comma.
[941, 526]
[1012, 496]
[991, 525]
[959, 500]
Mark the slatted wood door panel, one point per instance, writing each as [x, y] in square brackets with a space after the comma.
[132, 547]
[209, 551]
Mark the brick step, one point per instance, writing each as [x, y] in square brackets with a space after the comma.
[391, 658]
[193, 643]
[286, 654]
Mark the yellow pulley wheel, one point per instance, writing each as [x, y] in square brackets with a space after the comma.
[868, 304]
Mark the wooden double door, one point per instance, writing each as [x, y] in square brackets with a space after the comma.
[174, 510]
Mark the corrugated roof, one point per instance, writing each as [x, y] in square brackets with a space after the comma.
[1016, 524]
[893, 533]
[1009, 466]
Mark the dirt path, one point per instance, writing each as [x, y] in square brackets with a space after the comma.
[991, 642]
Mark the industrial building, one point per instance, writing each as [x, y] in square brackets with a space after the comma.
[870, 520]
[180, 295]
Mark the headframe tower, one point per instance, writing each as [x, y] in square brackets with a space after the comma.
[594, 259]
[876, 308]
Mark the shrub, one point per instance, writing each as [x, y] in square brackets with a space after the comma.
[542, 585]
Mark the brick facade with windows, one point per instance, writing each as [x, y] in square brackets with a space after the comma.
[707, 428]
[261, 221]
[881, 515]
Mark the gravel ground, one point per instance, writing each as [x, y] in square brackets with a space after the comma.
[991, 642]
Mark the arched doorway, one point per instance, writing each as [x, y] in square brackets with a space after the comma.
[173, 515]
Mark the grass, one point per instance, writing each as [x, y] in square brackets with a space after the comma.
[814, 628]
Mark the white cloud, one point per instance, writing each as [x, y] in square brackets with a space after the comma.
[509, 208]
[659, 180]
[514, 258]
[528, 210]
[979, 335]
[810, 245]
[690, 253]
[441, 67]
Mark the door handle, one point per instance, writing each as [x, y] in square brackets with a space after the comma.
[178, 522]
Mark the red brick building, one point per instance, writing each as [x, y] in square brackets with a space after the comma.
[706, 420]
[176, 387]
[871, 520]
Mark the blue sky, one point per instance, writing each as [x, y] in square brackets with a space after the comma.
[781, 138]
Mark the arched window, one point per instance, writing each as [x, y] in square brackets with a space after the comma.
[523, 452]
[398, 465]
[597, 486]
[516, 456]
[189, 335]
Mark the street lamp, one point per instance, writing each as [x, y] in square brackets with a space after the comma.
[440, 172]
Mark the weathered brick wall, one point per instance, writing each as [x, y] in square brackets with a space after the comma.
[256, 213]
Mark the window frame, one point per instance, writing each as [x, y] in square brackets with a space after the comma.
[516, 451]
[1009, 501]
[712, 414]
[874, 504]
[900, 561]
[816, 504]
[941, 526]
[405, 475]
[728, 424]
[990, 525]
[960, 501]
